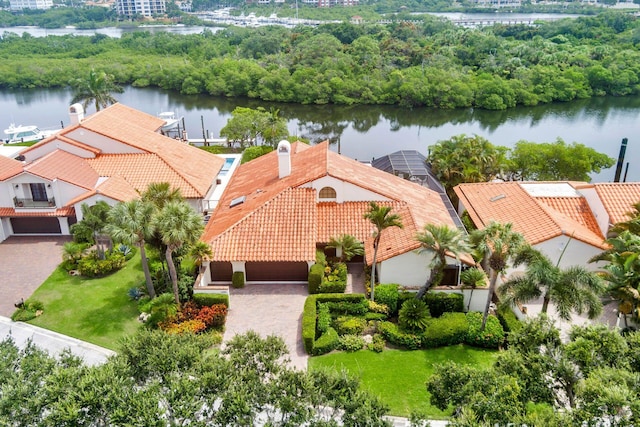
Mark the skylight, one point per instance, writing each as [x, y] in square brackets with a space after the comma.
[237, 201]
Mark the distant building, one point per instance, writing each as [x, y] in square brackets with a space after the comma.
[140, 7]
[16, 5]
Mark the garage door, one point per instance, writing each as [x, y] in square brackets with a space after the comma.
[277, 271]
[35, 225]
[221, 271]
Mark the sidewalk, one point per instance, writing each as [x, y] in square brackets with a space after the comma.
[52, 342]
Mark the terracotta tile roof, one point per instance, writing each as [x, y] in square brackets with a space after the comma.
[283, 229]
[618, 198]
[66, 167]
[575, 208]
[121, 114]
[118, 188]
[258, 182]
[535, 219]
[139, 170]
[9, 167]
[78, 144]
[11, 212]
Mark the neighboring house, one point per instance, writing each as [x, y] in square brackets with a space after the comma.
[112, 155]
[567, 220]
[278, 208]
[148, 8]
[19, 5]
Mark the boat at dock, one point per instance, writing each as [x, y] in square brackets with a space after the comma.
[15, 134]
[171, 121]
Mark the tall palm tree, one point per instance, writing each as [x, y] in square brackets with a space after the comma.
[349, 246]
[131, 223]
[574, 289]
[498, 242]
[93, 223]
[381, 218]
[473, 277]
[442, 240]
[161, 193]
[201, 253]
[97, 88]
[177, 224]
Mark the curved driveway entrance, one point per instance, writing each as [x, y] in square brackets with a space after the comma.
[26, 262]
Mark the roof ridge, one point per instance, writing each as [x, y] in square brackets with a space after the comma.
[556, 213]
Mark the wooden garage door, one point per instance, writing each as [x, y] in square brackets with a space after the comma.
[221, 271]
[277, 271]
[35, 226]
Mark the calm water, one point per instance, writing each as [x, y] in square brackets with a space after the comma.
[365, 132]
[109, 31]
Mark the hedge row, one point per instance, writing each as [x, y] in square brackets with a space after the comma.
[443, 302]
[449, 329]
[211, 299]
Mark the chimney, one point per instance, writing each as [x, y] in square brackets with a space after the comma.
[76, 114]
[284, 159]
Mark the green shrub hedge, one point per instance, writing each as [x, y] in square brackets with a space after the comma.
[334, 279]
[349, 325]
[93, 266]
[399, 338]
[309, 324]
[327, 342]
[324, 318]
[316, 274]
[493, 335]
[237, 279]
[443, 302]
[351, 343]
[388, 294]
[448, 329]
[209, 300]
[508, 320]
[375, 316]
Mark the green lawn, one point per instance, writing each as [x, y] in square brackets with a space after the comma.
[95, 310]
[399, 376]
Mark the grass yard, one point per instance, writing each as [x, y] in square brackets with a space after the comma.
[95, 310]
[399, 376]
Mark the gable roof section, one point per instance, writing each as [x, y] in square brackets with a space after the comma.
[537, 218]
[258, 182]
[122, 114]
[9, 167]
[618, 199]
[66, 167]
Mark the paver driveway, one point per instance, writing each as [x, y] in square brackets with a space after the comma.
[273, 309]
[25, 262]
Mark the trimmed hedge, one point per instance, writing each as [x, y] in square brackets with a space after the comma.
[399, 338]
[349, 325]
[493, 335]
[449, 329]
[324, 318]
[316, 274]
[443, 302]
[327, 342]
[309, 324]
[508, 320]
[211, 299]
[334, 279]
[237, 279]
[388, 294]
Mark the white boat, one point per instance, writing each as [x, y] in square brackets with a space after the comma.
[15, 134]
[171, 121]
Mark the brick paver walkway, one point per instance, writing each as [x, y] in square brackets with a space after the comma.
[25, 262]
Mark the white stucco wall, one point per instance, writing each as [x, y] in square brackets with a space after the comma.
[576, 253]
[92, 201]
[600, 213]
[345, 192]
[408, 269]
[5, 228]
[107, 145]
[474, 299]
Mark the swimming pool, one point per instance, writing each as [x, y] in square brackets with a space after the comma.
[228, 162]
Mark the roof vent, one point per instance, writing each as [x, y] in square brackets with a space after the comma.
[498, 197]
[237, 201]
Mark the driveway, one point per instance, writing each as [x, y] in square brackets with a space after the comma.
[271, 309]
[25, 262]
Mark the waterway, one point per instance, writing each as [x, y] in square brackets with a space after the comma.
[365, 132]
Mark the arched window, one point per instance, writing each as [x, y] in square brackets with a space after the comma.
[327, 193]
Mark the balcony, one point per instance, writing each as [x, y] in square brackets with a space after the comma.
[34, 204]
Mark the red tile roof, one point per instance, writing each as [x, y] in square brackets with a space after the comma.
[618, 199]
[258, 182]
[9, 167]
[65, 167]
[11, 212]
[537, 218]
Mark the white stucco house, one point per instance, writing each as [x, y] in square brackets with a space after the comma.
[112, 155]
[278, 208]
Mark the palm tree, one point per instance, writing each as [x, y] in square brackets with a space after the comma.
[131, 223]
[93, 223]
[498, 242]
[161, 193]
[349, 246]
[442, 240]
[632, 224]
[574, 289]
[97, 89]
[381, 218]
[473, 277]
[201, 253]
[177, 224]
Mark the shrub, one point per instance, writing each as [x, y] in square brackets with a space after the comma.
[414, 315]
[349, 325]
[443, 302]
[211, 299]
[127, 251]
[351, 343]
[377, 344]
[449, 329]
[185, 286]
[375, 316]
[374, 307]
[388, 295]
[251, 153]
[237, 279]
[162, 309]
[134, 293]
[324, 318]
[327, 342]
[316, 273]
[214, 316]
[508, 319]
[29, 310]
[493, 335]
[309, 324]
[399, 338]
[193, 326]
[335, 279]
[92, 266]
[354, 304]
